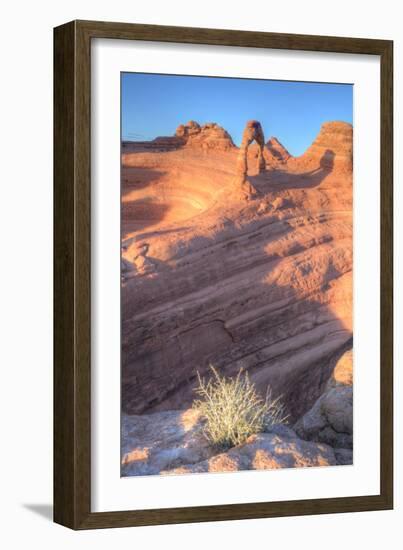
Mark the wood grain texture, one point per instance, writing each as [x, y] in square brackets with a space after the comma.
[72, 217]
[386, 359]
[64, 364]
[72, 270]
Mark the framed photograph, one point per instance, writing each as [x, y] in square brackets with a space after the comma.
[222, 274]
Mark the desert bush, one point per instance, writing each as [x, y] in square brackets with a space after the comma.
[234, 410]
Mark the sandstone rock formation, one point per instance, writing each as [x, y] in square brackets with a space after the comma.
[264, 451]
[173, 443]
[342, 374]
[265, 285]
[331, 150]
[330, 420]
[208, 136]
[191, 128]
[276, 152]
[161, 441]
[253, 133]
[159, 144]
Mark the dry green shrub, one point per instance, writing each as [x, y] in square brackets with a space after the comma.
[233, 409]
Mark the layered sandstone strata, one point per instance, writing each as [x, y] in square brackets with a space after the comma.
[207, 136]
[208, 277]
[332, 149]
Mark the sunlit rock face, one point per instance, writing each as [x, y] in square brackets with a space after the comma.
[276, 152]
[253, 133]
[172, 442]
[332, 148]
[208, 136]
[263, 284]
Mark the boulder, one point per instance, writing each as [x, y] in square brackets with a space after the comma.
[279, 203]
[342, 374]
[344, 457]
[330, 420]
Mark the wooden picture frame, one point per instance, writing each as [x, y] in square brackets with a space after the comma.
[72, 271]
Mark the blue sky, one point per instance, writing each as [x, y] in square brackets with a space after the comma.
[154, 105]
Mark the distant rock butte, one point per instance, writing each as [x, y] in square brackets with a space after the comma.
[208, 136]
[332, 149]
[208, 277]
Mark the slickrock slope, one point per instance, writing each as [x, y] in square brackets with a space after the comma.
[207, 277]
[173, 443]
